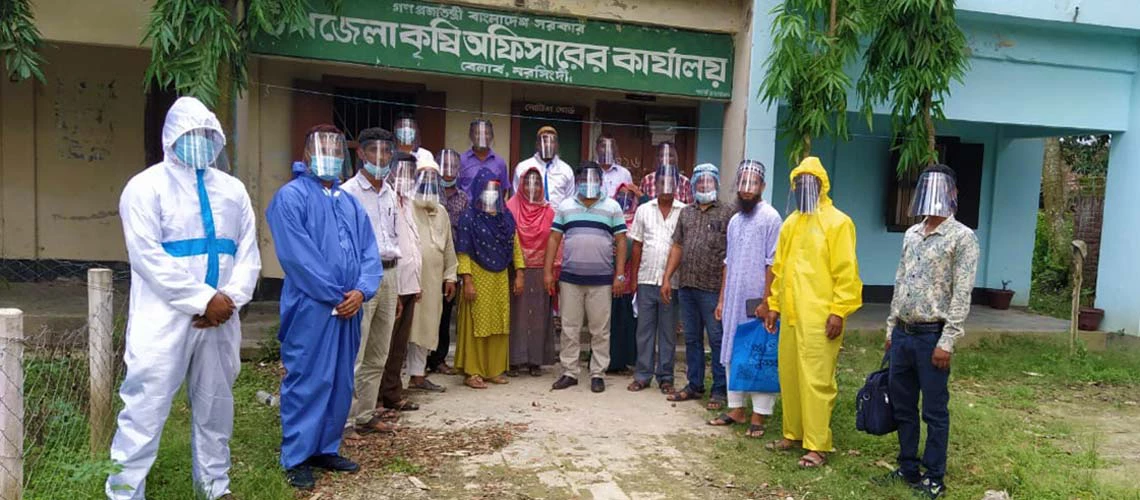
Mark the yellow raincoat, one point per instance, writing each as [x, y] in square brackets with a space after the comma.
[816, 275]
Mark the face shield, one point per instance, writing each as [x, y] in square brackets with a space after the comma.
[532, 188]
[934, 195]
[428, 186]
[482, 134]
[490, 199]
[628, 202]
[449, 167]
[606, 151]
[403, 177]
[805, 194]
[750, 177]
[666, 179]
[706, 183]
[201, 148]
[589, 183]
[407, 134]
[547, 146]
[666, 155]
[376, 157]
[326, 155]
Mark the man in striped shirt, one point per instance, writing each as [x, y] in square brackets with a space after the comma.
[587, 226]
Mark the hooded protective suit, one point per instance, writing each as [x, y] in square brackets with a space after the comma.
[815, 275]
[326, 247]
[190, 234]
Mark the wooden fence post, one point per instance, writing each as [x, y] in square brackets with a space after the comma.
[100, 358]
[11, 404]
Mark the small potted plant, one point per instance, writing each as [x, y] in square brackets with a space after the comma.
[1000, 299]
[1088, 319]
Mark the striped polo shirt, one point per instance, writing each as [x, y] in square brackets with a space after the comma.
[588, 239]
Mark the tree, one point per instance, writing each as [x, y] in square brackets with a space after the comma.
[1086, 154]
[20, 40]
[917, 50]
[1054, 194]
[813, 41]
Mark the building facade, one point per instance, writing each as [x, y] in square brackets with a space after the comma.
[644, 72]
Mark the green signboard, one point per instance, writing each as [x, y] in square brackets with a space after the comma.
[497, 44]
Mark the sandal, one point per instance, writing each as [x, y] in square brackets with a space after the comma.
[782, 445]
[443, 369]
[755, 431]
[684, 395]
[428, 386]
[404, 405]
[723, 420]
[666, 388]
[475, 382]
[536, 371]
[386, 414]
[716, 403]
[636, 386]
[376, 426]
[813, 460]
[513, 372]
[500, 380]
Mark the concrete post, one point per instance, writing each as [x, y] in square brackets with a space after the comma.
[100, 358]
[11, 404]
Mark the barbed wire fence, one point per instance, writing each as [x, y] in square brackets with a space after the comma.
[62, 327]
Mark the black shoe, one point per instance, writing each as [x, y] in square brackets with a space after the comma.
[301, 477]
[564, 382]
[335, 463]
[598, 385]
[932, 488]
[898, 477]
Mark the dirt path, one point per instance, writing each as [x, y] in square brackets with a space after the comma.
[576, 444]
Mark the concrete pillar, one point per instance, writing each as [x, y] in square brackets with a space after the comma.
[710, 137]
[1118, 274]
[17, 170]
[749, 124]
[1013, 220]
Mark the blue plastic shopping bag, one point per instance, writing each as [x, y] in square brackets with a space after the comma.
[753, 367]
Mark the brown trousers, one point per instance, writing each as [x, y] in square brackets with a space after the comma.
[391, 385]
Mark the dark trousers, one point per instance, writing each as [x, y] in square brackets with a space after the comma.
[391, 387]
[698, 315]
[439, 355]
[912, 373]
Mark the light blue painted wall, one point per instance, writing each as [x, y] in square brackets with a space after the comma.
[1118, 278]
[760, 124]
[711, 133]
[1111, 13]
[1013, 215]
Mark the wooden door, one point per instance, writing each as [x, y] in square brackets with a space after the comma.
[309, 110]
[630, 125]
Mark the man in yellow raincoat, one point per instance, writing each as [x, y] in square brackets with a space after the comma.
[816, 287]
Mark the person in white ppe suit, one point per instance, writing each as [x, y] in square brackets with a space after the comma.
[190, 236]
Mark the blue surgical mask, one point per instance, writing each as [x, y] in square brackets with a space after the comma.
[705, 198]
[406, 135]
[377, 172]
[326, 167]
[196, 151]
[448, 183]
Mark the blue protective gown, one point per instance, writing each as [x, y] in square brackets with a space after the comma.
[325, 245]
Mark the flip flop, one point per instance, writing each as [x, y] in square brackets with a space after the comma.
[475, 382]
[376, 426]
[404, 405]
[723, 420]
[755, 431]
[636, 386]
[500, 380]
[716, 403]
[808, 462]
[666, 388]
[684, 395]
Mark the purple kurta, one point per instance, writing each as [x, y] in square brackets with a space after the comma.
[749, 235]
[470, 165]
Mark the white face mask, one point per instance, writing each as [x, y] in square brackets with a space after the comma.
[490, 200]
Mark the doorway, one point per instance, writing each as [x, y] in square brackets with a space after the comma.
[570, 121]
[638, 129]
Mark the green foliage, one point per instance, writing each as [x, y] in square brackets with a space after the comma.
[195, 41]
[805, 68]
[19, 40]
[1051, 268]
[1086, 154]
[917, 50]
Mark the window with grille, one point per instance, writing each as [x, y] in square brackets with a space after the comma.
[965, 158]
[357, 109]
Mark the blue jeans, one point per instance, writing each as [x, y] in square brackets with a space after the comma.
[698, 309]
[912, 373]
[656, 336]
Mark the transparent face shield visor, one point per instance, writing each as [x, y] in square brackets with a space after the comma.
[376, 156]
[750, 177]
[403, 177]
[490, 199]
[666, 180]
[547, 146]
[326, 154]
[606, 151]
[934, 195]
[666, 155]
[449, 164]
[805, 194]
[482, 134]
[532, 187]
[407, 133]
[589, 183]
[428, 186]
[628, 202]
[201, 148]
[704, 184]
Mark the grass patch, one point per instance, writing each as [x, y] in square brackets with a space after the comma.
[999, 438]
